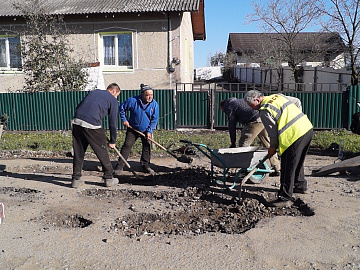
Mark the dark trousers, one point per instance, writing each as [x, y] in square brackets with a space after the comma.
[82, 137]
[292, 166]
[130, 139]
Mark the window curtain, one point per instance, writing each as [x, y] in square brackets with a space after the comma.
[109, 50]
[3, 53]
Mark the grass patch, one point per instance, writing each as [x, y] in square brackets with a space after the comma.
[323, 139]
[62, 141]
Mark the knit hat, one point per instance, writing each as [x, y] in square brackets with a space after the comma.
[144, 87]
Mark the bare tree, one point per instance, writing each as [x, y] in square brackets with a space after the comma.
[286, 18]
[228, 69]
[226, 61]
[269, 54]
[344, 18]
[218, 59]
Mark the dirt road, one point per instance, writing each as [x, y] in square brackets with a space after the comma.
[174, 220]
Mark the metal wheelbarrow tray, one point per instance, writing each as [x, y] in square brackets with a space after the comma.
[243, 159]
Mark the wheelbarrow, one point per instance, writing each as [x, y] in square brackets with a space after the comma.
[249, 160]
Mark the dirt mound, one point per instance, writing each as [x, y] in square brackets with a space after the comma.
[194, 207]
[64, 220]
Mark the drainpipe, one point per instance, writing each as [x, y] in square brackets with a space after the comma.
[170, 69]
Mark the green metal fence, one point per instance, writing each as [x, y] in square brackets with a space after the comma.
[54, 110]
[354, 100]
[326, 110]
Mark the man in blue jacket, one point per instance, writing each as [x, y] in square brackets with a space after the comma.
[86, 129]
[144, 114]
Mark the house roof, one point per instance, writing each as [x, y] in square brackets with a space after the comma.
[198, 20]
[242, 42]
[66, 7]
[73, 7]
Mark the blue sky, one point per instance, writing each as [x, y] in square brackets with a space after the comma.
[222, 18]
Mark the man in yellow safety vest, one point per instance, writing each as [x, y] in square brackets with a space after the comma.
[290, 131]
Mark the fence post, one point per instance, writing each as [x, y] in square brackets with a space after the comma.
[315, 79]
[212, 102]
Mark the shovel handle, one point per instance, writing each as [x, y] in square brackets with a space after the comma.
[162, 147]
[151, 140]
[255, 168]
[125, 161]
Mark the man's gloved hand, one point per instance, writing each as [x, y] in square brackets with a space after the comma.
[271, 152]
[147, 135]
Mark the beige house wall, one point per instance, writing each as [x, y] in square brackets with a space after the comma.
[154, 46]
[11, 81]
[187, 50]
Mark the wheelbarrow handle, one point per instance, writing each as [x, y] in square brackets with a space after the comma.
[190, 142]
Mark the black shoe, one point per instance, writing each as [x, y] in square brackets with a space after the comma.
[147, 169]
[276, 173]
[281, 203]
[300, 190]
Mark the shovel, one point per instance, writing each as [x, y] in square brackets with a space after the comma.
[126, 163]
[261, 161]
[183, 158]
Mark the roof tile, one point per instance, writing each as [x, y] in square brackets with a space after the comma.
[65, 7]
[242, 42]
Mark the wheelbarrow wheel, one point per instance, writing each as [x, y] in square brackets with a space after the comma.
[257, 178]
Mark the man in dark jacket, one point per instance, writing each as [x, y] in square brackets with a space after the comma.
[86, 129]
[238, 111]
[144, 113]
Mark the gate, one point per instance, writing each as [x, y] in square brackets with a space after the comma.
[193, 106]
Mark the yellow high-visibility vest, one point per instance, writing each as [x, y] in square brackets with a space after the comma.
[292, 123]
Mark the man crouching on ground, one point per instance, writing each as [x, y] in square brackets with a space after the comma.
[86, 129]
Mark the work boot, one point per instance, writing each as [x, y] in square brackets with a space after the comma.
[147, 169]
[109, 182]
[274, 173]
[281, 203]
[75, 183]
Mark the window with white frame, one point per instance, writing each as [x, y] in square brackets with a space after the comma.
[117, 50]
[10, 53]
